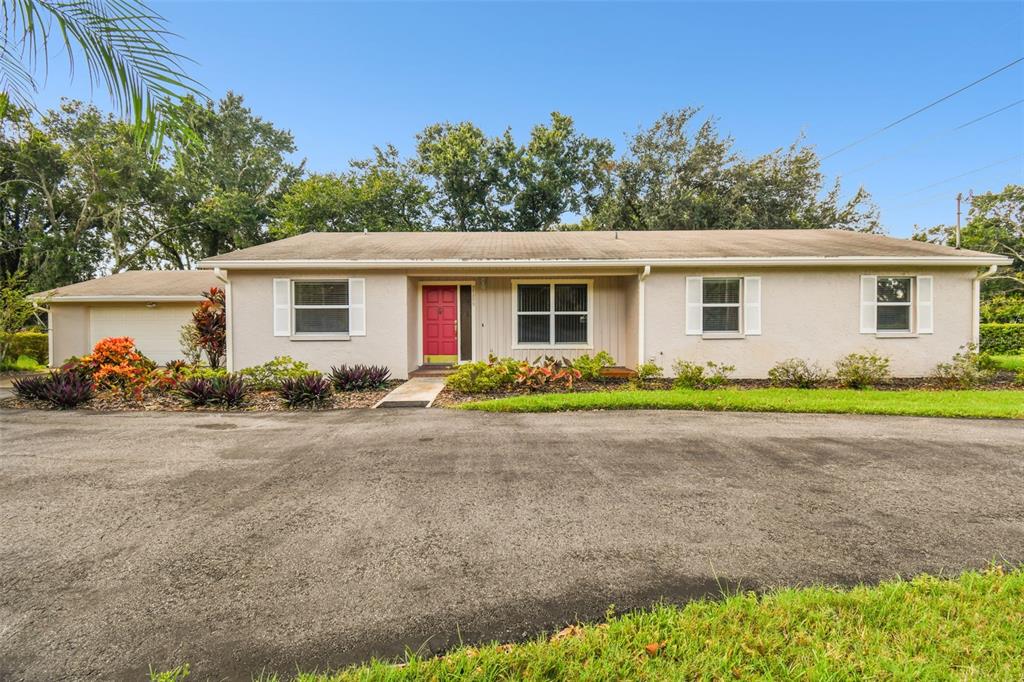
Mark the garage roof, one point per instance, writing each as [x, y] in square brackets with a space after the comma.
[137, 285]
[676, 247]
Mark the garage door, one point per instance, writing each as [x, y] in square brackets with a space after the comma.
[155, 330]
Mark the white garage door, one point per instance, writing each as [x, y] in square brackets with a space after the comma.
[155, 330]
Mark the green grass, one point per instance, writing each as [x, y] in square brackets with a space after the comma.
[967, 628]
[1013, 363]
[1005, 404]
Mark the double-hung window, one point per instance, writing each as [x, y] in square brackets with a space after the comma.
[721, 305]
[552, 314]
[893, 304]
[320, 307]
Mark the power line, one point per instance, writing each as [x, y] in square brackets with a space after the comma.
[931, 138]
[957, 177]
[922, 109]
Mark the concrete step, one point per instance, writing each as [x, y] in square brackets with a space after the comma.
[416, 392]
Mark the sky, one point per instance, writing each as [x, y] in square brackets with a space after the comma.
[345, 76]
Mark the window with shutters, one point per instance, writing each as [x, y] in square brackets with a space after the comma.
[894, 300]
[721, 305]
[320, 307]
[552, 314]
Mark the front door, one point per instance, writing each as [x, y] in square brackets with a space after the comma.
[440, 325]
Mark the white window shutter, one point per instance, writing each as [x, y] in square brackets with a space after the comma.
[694, 305]
[752, 306]
[357, 307]
[282, 307]
[925, 306]
[868, 304]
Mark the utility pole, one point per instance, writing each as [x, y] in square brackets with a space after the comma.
[959, 197]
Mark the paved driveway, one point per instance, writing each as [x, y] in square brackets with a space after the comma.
[243, 541]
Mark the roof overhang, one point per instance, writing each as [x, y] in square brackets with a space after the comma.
[131, 298]
[779, 261]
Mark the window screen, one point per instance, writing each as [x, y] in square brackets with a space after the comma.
[721, 308]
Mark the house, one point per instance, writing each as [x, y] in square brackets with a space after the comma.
[748, 298]
[149, 305]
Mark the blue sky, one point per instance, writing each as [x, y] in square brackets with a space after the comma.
[345, 76]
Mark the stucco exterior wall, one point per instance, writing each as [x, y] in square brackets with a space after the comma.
[252, 324]
[812, 314]
[69, 331]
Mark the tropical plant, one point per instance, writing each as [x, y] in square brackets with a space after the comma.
[30, 388]
[67, 390]
[359, 377]
[862, 370]
[644, 373]
[198, 391]
[707, 376]
[967, 369]
[476, 377]
[545, 372]
[310, 390]
[796, 373]
[269, 375]
[116, 364]
[590, 368]
[230, 391]
[210, 320]
[123, 44]
[188, 342]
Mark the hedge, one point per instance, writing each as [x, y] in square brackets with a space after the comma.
[1002, 338]
[32, 344]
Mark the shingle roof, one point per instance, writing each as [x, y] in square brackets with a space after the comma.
[182, 285]
[488, 247]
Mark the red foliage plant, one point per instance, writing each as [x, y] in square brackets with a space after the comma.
[116, 364]
[211, 321]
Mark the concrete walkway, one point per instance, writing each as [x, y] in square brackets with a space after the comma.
[416, 392]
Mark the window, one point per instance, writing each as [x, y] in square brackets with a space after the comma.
[320, 307]
[721, 305]
[552, 314]
[893, 297]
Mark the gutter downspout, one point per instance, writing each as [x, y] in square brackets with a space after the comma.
[229, 360]
[641, 351]
[976, 304]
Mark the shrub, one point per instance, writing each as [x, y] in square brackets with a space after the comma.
[163, 380]
[67, 389]
[590, 367]
[706, 376]
[545, 372]
[475, 377]
[1002, 338]
[230, 391]
[203, 373]
[309, 390]
[77, 365]
[359, 377]
[796, 373]
[644, 373]
[1019, 379]
[967, 369]
[188, 342]
[269, 375]
[117, 365]
[30, 388]
[198, 391]
[23, 363]
[33, 344]
[211, 322]
[862, 370]
[1003, 308]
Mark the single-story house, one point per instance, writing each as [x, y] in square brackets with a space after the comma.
[747, 298]
[151, 306]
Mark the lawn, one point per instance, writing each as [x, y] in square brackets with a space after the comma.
[1004, 404]
[1013, 363]
[970, 627]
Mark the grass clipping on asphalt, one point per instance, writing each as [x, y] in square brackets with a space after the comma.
[927, 628]
[981, 404]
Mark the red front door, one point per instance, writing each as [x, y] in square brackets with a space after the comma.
[440, 324]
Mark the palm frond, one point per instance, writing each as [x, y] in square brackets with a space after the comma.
[124, 45]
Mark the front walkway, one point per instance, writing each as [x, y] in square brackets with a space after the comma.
[418, 391]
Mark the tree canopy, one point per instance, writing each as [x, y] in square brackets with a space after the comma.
[81, 197]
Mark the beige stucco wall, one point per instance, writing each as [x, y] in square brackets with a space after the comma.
[811, 314]
[69, 331]
[252, 325]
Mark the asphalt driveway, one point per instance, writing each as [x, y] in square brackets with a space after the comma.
[248, 542]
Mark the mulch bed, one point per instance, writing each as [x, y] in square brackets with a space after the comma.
[1003, 381]
[263, 401]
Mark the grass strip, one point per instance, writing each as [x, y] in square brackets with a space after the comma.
[981, 404]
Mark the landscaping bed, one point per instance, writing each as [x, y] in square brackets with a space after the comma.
[256, 401]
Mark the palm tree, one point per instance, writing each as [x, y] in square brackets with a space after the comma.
[123, 44]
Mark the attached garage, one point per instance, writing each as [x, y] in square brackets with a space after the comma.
[148, 306]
